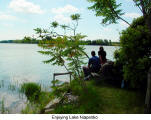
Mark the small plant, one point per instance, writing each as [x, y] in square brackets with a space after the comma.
[32, 91]
[1, 83]
[38, 107]
[3, 110]
[2, 107]
[57, 89]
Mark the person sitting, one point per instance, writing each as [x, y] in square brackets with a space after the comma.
[101, 48]
[106, 65]
[93, 65]
[102, 56]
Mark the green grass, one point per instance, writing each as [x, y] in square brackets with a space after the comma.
[120, 101]
[88, 102]
[36, 108]
[31, 90]
[98, 99]
[105, 99]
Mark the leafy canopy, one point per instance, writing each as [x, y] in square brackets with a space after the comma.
[108, 9]
[134, 53]
[111, 12]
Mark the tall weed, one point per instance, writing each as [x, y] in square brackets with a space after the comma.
[32, 91]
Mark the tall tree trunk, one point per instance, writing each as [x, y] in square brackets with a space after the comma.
[148, 22]
[148, 94]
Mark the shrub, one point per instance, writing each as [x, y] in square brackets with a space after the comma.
[134, 54]
[32, 91]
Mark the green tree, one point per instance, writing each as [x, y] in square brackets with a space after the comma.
[134, 53]
[27, 39]
[64, 50]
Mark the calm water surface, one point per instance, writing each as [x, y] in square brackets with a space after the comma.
[20, 63]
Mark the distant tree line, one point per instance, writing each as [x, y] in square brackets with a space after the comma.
[30, 40]
[100, 42]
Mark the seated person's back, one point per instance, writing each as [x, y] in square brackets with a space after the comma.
[102, 56]
[94, 63]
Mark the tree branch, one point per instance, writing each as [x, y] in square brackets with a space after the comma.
[114, 12]
[143, 8]
[138, 6]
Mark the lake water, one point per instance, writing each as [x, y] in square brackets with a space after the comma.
[20, 63]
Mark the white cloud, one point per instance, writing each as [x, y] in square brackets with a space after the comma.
[132, 15]
[65, 9]
[25, 7]
[62, 19]
[7, 17]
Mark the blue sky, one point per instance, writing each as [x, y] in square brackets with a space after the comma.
[18, 18]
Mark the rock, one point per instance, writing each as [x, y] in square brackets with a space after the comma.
[49, 110]
[105, 74]
[69, 98]
[52, 103]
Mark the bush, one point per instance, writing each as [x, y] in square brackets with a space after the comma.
[134, 54]
[32, 91]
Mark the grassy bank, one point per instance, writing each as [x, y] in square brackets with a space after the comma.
[120, 101]
[107, 99]
[99, 99]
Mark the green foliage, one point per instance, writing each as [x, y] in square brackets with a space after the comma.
[1, 83]
[25, 40]
[101, 99]
[88, 101]
[63, 48]
[75, 16]
[111, 11]
[144, 5]
[54, 24]
[134, 54]
[97, 42]
[36, 108]
[32, 91]
[58, 89]
[3, 109]
[108, 9]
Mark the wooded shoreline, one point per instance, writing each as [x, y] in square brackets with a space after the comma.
[87, 42]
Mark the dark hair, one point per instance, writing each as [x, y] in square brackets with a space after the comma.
[101, 48]
[93, 53]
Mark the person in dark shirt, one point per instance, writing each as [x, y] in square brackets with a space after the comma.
[93, 65]
[102, 55]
